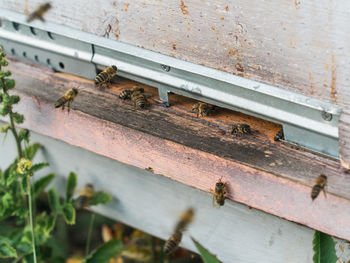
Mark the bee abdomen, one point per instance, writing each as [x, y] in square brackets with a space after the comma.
[220, 200]
[100, 78]
[316, 189]
[279, 135]
[125, 94]
[60, 102]
[172, 243]
[82, 202]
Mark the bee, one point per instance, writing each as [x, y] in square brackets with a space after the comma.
[85, 196]
[172, 243]
[105, 76]
[320, 184]
[240, 128]
[39, 12]
[279, 135]
[126, 94]
[139, 99]
[219, 193]
[68, 97]
[185, 219]
[202, 109]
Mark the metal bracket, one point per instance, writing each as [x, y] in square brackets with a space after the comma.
[307, 121]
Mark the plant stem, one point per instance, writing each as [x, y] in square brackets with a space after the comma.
[31, 220]
[153, 245]
[14, 132]
[87, 248]
[161, 255]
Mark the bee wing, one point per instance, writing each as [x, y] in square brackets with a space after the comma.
[324, 191]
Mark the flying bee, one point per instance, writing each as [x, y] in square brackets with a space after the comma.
[105, 76]
[172, 243]
[68, 97]
[320, 185]
[279, 135]
[39, 12]
[126, 94]
[219, 193]
[185, 219]
[139, 99]
[85, 196]
[240, 128]
[202, 109]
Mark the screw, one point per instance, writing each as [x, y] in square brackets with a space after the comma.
[165, 68]
[327, 116]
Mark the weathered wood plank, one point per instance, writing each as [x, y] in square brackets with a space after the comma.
[297, 45]
[260, 173]
[152, 203]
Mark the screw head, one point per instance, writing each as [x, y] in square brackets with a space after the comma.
[165, 68]
[327, 116]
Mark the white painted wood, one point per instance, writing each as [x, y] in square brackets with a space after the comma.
[153, 202]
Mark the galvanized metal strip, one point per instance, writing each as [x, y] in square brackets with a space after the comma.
[308, 121]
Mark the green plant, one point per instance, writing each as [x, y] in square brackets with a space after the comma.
[29, 235]
[324, 248]
[205, 254]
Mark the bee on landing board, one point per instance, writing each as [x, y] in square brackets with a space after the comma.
[175, 239]
[126, 94]
[279, 135]
[104, 77]
[320, 185]
[202, 109]
[68, 97]
[219, 193]
[240, 128]
[39, 13]
[85, 196]
[139, 99]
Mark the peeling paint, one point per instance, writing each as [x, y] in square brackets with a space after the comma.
[297, 4]
[334, 94]
[183, 8]
[126, 6]
[226, 8]
[312, 84]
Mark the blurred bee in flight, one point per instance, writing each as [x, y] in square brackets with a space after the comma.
[126, 94]
[175, 239]
[320, 185]
[68, 97]
[219, 193]
[240, 128]
[39, 12]
[279, 135]
[85, 196]
[203, 109]
[104, 77]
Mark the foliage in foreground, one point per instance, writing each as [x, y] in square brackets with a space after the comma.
[324, 248]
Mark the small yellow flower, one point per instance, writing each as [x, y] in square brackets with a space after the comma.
[23, 166]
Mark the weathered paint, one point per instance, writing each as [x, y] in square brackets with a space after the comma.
[163, 138]
[280, 42]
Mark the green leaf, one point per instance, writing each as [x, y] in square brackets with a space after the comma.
[7, 251]
[31, 150]
[4, 109]
[71, 185]
[9, 84]
[13, 176]
[21, 212]
[205, 254]
[6, 199]
[41, 184]
[25, 184]
[51, 221]
[100, 197]
[69, 213]
[324, 248]
[38, 166]
[54, 201]
[18, 118]
[105, 252]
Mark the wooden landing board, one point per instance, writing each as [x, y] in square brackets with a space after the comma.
[294, 44]
[152, 203]
[259, 173]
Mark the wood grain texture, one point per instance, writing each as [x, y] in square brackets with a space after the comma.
[260, 173]
[298, 45]
[152, 203]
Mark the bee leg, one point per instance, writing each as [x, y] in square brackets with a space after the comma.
[324, 192]
[63, 106]
[68, 106]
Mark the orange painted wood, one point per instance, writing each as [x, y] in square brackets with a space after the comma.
[259, 172]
